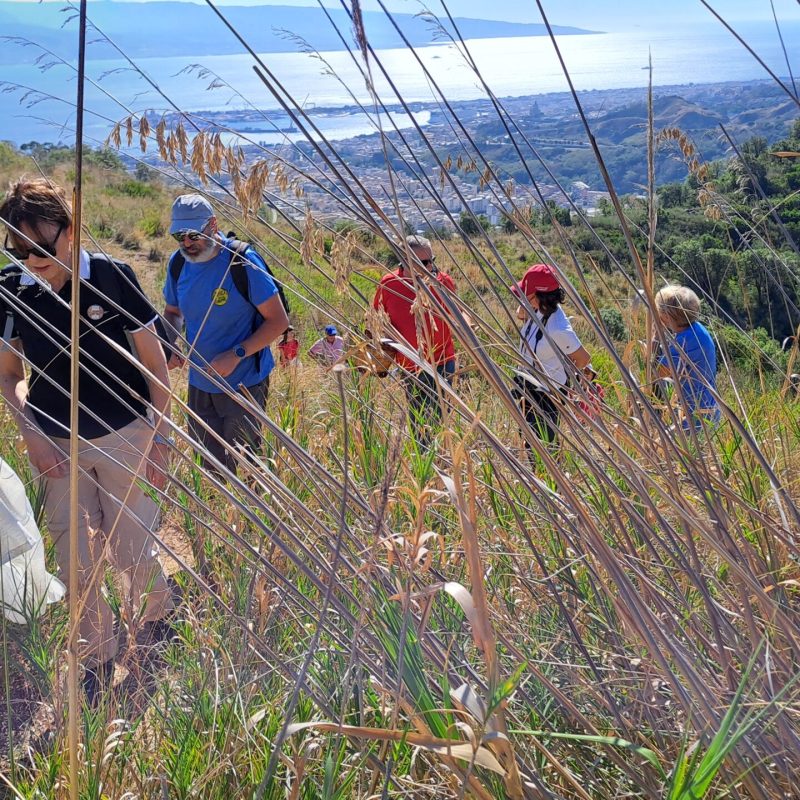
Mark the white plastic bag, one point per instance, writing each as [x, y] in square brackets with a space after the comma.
[26, 587]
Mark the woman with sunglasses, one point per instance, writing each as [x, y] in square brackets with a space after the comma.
[118, 445]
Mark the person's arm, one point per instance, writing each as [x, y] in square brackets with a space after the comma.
[567, 342]
[315, 351]
[580, 357]
[173, 320]
[43, 454]
[151, 356]
[377, 301]
[274, 324]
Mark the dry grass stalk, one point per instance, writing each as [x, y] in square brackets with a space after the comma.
[343, 250]
[198, 162]
[636, 570]
[313, 244]
[706, 192]
[464, 500]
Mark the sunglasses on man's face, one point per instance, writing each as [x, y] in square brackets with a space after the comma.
[39, 249]
[191, 235]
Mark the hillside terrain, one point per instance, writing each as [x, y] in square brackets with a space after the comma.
[360, 616]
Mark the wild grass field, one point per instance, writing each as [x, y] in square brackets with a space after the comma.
[363, 618]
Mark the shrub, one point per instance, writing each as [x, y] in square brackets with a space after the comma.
[132, 188]
[103, 157]
[144, 173]
[152, 225]
[751, 350]
[101, 229]
[470, 226]
[614, 324]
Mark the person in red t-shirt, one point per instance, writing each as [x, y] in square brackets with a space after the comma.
[288, 347]
[395, 295]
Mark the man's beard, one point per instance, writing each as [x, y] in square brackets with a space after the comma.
[206, 254]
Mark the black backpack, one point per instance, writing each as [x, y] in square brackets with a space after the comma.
[239, 265]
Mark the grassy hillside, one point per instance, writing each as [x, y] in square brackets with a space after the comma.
[616, 619]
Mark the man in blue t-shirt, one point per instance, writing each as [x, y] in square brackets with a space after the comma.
[228, 333]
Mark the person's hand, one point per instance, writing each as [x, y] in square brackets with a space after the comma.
[176, 360]
[225, 363]
[45, 457]
[158, 464]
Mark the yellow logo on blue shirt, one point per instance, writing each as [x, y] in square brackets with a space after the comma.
[220, 297]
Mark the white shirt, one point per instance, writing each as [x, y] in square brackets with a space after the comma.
[329, 352]
[557, 334]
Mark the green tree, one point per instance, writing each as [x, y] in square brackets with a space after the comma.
[557, 213]
[473, 226]
[672, 195]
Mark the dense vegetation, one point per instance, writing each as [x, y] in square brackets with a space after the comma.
[617, 619]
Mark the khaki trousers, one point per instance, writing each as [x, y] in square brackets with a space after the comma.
[122, 535]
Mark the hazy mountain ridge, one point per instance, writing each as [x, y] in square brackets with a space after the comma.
[185, 29]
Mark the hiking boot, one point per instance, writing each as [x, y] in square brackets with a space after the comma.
[158, 631]
[97, 679]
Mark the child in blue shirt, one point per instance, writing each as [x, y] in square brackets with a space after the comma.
[691, 354]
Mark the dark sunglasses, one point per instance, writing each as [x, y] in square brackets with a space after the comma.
[45, 249]
[428, 262]
[192, 236]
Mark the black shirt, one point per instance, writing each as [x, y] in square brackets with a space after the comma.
[111, 388]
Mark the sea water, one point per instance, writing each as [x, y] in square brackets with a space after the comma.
[510, 67]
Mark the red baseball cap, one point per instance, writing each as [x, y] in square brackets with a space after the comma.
[538, 278]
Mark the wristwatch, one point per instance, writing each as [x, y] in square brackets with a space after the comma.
[240, 352]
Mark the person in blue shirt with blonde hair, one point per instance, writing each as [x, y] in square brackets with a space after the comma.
[691, 354]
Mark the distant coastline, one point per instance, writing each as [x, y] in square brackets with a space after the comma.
[516, 67]
[618, 119]
[615, 97]
[267, 29]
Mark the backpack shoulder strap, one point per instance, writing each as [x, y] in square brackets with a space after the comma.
[11, 283]
[176, 266]
[540, 330]
[10, 278]
[107, 279]
[239, 268]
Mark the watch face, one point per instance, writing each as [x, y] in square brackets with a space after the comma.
[240, 352]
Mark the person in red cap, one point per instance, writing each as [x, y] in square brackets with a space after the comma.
[549, 347]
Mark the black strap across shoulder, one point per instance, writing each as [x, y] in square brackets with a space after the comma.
[540, 331]
[239, 266]
[11, 283]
